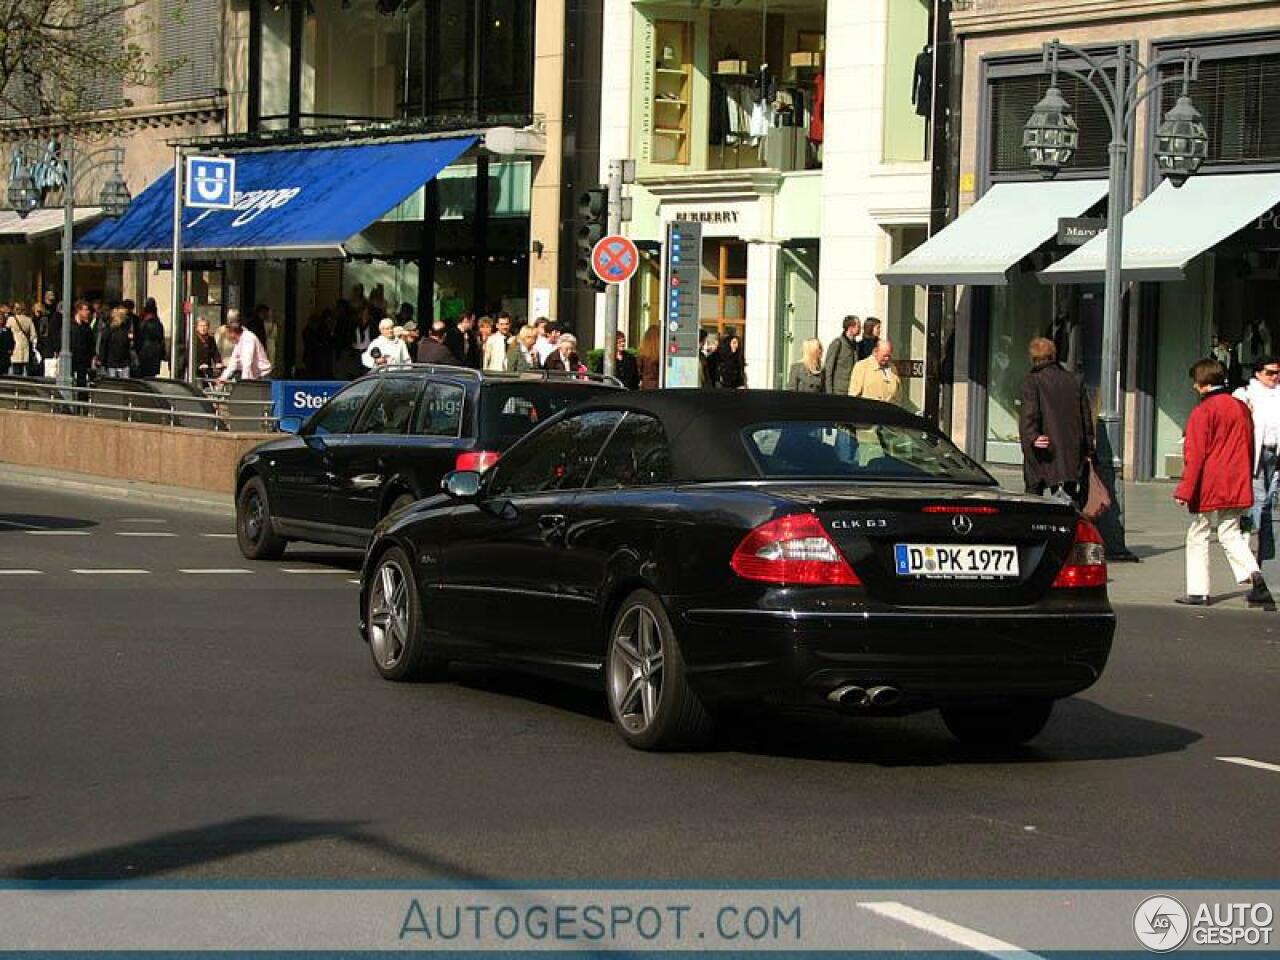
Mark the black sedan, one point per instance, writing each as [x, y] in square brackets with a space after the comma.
[684, 550]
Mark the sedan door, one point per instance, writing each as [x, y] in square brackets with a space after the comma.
[304, 473]
[503, 559]
[363, 460]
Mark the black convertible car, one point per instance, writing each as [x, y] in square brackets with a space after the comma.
[683, 550]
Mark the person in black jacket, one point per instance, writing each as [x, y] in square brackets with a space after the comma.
[870, 337]
[115, 345]
[148, 341]
[1055, 423]
[6, 346]
[432, 349]
[82, 344]
[732, 372]
[318, 346]
[625, 367]
[464, 343]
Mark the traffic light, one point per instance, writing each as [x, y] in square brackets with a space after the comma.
[593, 224]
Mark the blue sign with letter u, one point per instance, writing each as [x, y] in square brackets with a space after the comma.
[211, 183]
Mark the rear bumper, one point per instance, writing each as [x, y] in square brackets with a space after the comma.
[932, 657]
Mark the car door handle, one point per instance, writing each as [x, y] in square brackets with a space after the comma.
[366, 481]
[552, 525]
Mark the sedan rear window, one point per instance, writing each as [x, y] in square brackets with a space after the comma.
[510, 410]
[859, 451]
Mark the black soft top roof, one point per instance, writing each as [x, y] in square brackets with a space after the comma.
[705, 427]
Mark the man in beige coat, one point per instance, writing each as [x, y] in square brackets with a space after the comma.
[874, 377]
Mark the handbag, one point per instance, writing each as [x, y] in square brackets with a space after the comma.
[1098, 501]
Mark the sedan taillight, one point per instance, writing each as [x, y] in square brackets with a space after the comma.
[1086, 564]
[477, 460]
[792, 550]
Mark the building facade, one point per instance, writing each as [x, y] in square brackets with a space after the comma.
[795, 132]
[1203, 261]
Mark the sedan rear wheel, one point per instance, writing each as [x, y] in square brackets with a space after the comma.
[393, 622]
[1007, 725]
[650, 699]
[255, 533]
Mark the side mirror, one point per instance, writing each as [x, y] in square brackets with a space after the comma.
[461, 484]
[290, 424]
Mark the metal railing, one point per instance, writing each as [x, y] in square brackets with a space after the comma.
[199, 411]
[472, 372]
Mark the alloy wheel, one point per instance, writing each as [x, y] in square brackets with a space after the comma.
[389, 614]
[635, 669]
[255, 517]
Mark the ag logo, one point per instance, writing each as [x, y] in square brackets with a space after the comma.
[1161, 924]
[211, 183]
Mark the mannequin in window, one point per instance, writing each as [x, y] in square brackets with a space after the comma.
[922, 81]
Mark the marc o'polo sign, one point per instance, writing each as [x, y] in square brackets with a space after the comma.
[1077, 231]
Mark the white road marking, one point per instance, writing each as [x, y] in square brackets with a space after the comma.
[19, 573]
[219, 536]
[215, 570]
[946, 930]
[1257, 764]
[144, 533]
[57, 533]
[109, 570]
[311, 570]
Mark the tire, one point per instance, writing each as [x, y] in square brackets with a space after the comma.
[256, 536]
[393, 622]
[1004, 726]
[650, 700]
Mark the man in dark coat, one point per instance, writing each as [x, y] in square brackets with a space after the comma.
[432, 348]
[1056, 427]
[1217, 485]
[837, 369]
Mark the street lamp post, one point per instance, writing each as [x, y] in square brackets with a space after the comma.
[1121, 83]
[68, 167]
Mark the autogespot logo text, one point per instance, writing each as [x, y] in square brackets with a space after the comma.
[1161, 924]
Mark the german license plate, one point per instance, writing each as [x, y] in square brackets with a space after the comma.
[955, 561]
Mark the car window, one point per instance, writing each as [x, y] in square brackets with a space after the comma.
[339, 414]
[440, 412]
[637, 455]
[560, 458]
[510, 410]
[390, 411]
[858, 451]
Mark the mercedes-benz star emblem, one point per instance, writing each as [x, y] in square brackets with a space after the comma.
[961, 524]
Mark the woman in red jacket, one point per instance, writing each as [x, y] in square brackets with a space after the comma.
[1217, 485]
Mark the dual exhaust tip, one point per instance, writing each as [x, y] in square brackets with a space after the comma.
[854, 696]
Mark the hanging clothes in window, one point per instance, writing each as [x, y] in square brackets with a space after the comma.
[817, 128]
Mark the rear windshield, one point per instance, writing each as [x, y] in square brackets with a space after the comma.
[510, 410]
[858, 451]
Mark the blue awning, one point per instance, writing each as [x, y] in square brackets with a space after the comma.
[302, 202]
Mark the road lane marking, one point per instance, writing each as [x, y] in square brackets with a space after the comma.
[89, 570]
[311, 570]
[946, 930]
[213, 570]
[1256, 764]
[144, 533]
[219, 536]
[57, 533]
[19, 573]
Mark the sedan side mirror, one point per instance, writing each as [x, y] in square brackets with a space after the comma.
[461, 484]
[290, 424]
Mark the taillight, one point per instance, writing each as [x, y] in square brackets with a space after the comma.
[794, 549]
[1086, 564]
[477, 460]
[959, 508]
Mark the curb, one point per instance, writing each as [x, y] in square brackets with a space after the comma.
[195, 501]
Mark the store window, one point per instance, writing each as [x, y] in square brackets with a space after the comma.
[724, 287]
[1237, 101]
[731, 87]
[908, 81]
[907, 320]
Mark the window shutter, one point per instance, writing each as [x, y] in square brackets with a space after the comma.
[190, 35]
[1237, 99]
[1012, 100]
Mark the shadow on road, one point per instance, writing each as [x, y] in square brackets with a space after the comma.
[1079, 729]
[182, 849]
[20, 522]
[340, 559]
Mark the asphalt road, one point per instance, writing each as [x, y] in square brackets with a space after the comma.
[162, 723]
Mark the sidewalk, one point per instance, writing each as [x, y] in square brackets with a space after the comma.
[1156, 529]
[154, 494]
